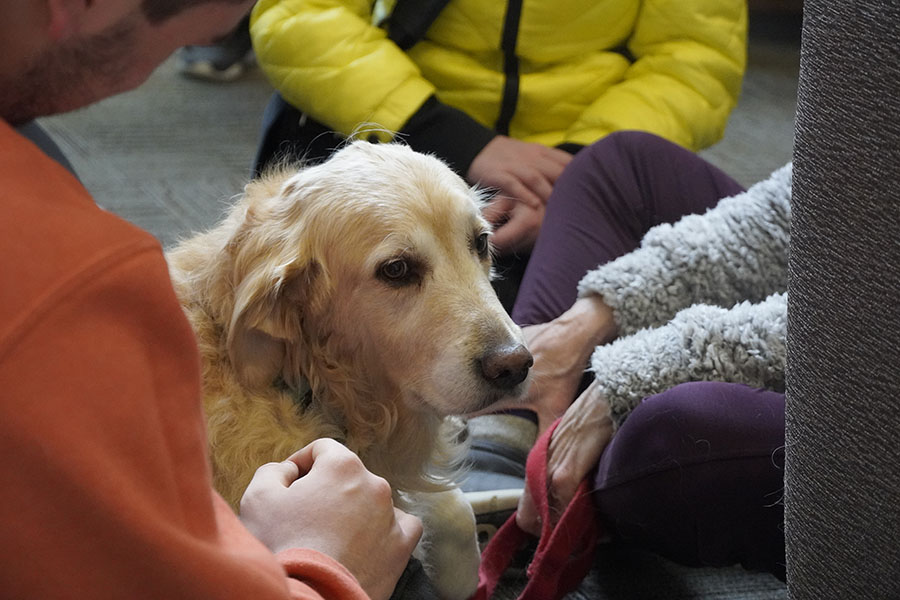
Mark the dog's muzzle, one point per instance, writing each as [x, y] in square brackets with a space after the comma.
[506, 367]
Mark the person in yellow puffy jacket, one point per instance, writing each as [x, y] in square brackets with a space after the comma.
[505, 92]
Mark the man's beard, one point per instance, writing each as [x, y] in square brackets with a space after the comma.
[69, 76]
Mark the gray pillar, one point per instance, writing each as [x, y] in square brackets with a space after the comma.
[842, 483]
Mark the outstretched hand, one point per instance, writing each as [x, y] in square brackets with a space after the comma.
[575, 448]
[323, 498]
[561, 349]
[558, 369]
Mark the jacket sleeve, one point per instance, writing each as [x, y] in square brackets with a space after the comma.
[448, 133]
[328, 59]
[689, 60]
[743, 344]
[735, 252]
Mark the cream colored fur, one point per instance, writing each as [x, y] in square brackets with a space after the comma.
[290, 291]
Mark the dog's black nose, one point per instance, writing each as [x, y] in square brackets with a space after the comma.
[506, 367]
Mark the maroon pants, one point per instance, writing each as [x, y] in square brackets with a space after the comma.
[695, 473]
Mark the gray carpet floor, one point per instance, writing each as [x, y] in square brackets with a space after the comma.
[170, 155]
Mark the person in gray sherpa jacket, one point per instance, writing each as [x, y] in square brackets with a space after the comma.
[683, 422]
[701, 300]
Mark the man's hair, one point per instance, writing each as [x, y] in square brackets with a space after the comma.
[157, 11]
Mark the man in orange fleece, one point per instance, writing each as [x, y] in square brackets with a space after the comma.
[105, 489]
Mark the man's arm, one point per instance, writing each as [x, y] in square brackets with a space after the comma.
[106, 489]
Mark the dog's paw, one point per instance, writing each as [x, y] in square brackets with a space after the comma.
[454, 574]
[449, 546]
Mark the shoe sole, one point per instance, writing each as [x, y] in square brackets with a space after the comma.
[207, 71]
[492, 509]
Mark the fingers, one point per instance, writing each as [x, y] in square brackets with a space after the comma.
[521, 170]
[320, 448]
[305, 457]
[530, 184]
[276, 474]
[547, 169]
[560, 157]
[563, 485]
[575, 448]
[498, 209]
[577, 443]
[384, 563]
[533, 198]
[510, 190]
[527, 516]
[530, 187]
[520, 231]
[411, 526]
[503, 237]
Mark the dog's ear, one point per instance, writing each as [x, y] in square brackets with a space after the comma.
[267, 319]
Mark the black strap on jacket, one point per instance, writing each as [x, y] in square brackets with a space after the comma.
[287, 134]
[510, 66]
[410, 19]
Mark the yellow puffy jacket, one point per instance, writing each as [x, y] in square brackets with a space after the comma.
[554, 72]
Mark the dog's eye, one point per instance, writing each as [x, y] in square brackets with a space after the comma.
[482, 245]
[395, 270]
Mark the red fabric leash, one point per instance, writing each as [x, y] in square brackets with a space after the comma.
[564, 554]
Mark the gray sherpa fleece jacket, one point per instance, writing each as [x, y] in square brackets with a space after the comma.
[703, 299]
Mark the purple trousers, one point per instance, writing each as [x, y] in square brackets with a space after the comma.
[695, 473]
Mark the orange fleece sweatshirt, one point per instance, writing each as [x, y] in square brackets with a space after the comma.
[105, 489]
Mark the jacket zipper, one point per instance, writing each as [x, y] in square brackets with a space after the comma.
[510, 66]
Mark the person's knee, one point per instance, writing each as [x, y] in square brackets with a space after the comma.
[655, 429]
[638, 145]
[620, 143]
[696, 421]
[632, 138]
[618, 151]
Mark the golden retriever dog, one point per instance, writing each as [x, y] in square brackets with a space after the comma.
[352, 300]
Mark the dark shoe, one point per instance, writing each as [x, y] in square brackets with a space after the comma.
[225, 61]
[496, 469]
[499, 446]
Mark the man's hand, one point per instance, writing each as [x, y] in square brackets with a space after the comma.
[578, 441]
[523, 175]
[323, 498]
[516, 224]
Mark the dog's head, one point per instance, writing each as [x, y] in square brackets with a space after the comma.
[371, 272]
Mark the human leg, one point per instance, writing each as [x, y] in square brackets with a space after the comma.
[695, 474]
[602, 205]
